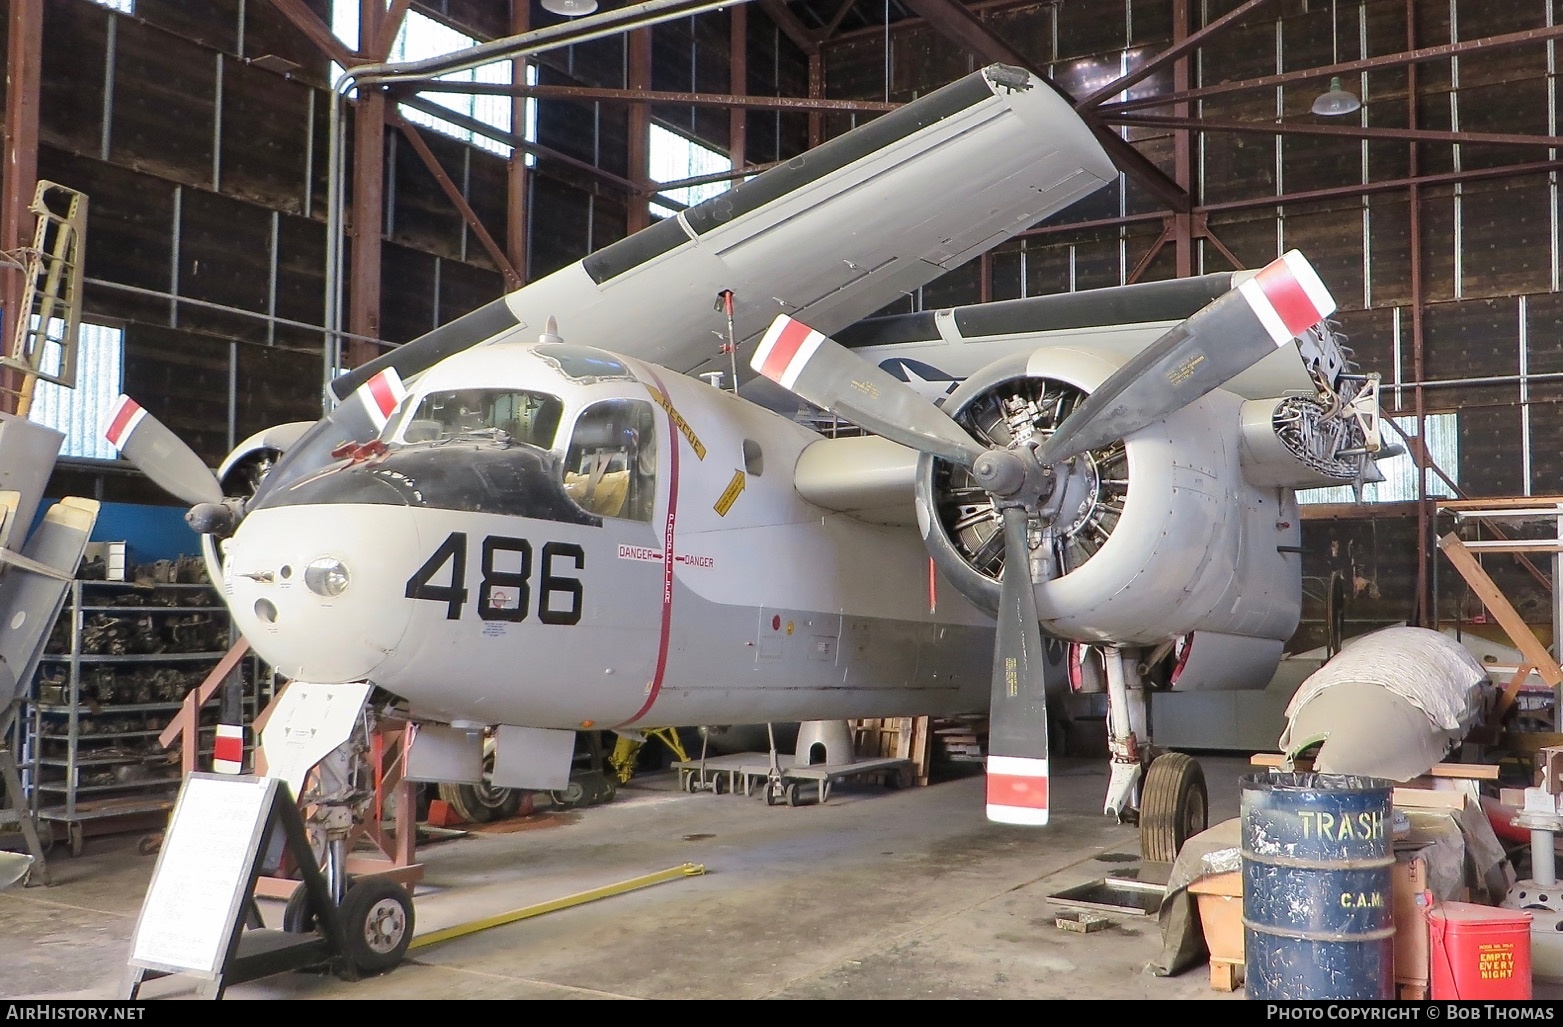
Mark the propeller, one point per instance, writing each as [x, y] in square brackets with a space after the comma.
[165, 458]
[160, 454]
[1264, 312]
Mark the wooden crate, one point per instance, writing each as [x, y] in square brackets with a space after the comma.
[902, 738]
[1220, 902]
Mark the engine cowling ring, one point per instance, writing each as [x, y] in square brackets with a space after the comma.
[1007, 403]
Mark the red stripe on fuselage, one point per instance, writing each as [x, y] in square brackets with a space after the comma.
[667, 563]
[1288, 297]
[786, 348]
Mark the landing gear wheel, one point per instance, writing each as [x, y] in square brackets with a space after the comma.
[377, 923]
[298, 916]
[482, 803]
[571, 795]
[773, 792]
[1174, 806]
[77, 838]
[794, 794]
[718, 786]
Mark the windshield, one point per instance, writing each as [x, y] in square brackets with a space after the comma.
[525, 416]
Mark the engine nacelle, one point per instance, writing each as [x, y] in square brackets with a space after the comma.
[1143, 541]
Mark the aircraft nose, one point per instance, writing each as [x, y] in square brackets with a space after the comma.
[312, 589]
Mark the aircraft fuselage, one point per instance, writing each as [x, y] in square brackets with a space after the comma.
[702, 591]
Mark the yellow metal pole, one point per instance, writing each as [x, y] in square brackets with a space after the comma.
[553, 905]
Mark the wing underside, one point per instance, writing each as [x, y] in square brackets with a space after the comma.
[830, 236]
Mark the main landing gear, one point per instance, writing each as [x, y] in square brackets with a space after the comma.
[1173, 802]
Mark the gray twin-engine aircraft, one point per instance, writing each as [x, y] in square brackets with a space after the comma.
[548, 517]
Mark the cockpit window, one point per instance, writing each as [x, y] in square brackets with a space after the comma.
[528, 417]
[584, 365]
[611, 468]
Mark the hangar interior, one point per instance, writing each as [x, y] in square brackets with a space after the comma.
[257, 224]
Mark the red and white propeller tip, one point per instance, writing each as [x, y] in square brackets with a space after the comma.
[785, 350]
[125, 416]
[159, 453]
[1017, 790]
[381, 395]
[1288, 297]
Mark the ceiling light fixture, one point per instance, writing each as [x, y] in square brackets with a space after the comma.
[570, 8]
[1336, 101]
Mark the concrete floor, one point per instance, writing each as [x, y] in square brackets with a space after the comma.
[876, 894]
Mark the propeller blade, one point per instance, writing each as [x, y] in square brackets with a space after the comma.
[160, 454]
[827, 374]
[1017, 717]
[1219, 342]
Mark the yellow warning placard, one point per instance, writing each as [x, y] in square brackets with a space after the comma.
[680, 423]
[730, 494]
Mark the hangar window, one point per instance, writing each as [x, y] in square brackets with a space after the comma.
[675, 158]
[611, 468]
[421, 38]
[1400, 484]
[80, 412]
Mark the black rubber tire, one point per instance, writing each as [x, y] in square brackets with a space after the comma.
[571, 795]
[298, 916]
[482, 803]
[1174, 806]
[718, 784]
[773, 794]
[377, 924]
[794, 794]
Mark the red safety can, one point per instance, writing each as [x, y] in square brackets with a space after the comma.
[1479, 952]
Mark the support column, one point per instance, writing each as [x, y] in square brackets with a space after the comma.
[638, 75]
[737, 81]
[816, 92]
[1422, 613]
[363, 283]
[517, 179]
[1182, 148]
[24, 76]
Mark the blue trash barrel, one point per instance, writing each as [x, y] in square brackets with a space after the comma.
[1318, 922]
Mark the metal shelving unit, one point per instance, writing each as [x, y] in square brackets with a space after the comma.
[90, 752]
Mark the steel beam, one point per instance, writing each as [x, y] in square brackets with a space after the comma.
[955, 23]
[816, 92]
[791, 27]
[1188, 45]
[517, 174]
[1411, 135]
[24, 79]
[594, 94]
[452, 193]
[1380, 63]
[385, 37]
[738, 82]
[638, 77]
[363, 302]
[1422, 613]
[318, 32]
[515, 140]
